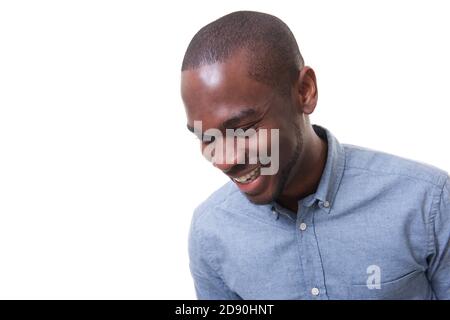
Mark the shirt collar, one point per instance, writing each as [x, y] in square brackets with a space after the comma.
[332, 173]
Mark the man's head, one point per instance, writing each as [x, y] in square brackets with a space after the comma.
[245, 70]
[273, 55]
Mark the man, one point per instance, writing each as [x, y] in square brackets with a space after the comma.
[334, 221]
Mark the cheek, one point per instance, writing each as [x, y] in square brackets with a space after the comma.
[264, 147]
[259, 146]
[287, 137]
[287, 149]
[267, 142]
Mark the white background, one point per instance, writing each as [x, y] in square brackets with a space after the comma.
[98, 174]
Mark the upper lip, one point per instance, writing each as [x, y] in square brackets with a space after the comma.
[234, 176]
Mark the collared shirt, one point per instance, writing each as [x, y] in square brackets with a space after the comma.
[377, 227]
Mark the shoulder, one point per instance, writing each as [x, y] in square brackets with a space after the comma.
[217, 208]
[373, 162]
[212, 221]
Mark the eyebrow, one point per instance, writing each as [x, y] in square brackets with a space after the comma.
[239, 117]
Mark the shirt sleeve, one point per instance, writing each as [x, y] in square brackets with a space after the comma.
[439, 265]
[207, 281]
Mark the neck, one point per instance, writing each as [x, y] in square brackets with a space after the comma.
[308, 171]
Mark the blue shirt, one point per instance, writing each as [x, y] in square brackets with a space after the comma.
[377, 227]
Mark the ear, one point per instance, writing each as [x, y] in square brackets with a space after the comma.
[306, 90]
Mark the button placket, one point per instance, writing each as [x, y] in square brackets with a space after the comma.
[310, 254]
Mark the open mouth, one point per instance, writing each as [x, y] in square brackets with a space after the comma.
[249, 177]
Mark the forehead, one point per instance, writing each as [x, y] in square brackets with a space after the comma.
[212, 93]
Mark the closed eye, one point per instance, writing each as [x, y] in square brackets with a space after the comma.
[242, 131]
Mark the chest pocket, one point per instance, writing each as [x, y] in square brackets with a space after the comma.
[413, 285]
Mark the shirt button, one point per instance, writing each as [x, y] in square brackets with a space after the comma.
[302, 226]
[326, 204]
[315, 291]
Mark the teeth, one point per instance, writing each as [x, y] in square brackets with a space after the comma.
[252, 175]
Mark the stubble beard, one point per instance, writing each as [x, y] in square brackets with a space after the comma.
[285, 173]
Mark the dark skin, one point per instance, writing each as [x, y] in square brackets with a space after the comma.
[222, 95]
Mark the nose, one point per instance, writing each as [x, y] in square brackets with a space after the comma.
[227, 158]
[225, 167]
[226, 162]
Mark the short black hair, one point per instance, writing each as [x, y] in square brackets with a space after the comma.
[272, 51]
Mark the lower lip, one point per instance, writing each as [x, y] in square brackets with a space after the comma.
[251, 187]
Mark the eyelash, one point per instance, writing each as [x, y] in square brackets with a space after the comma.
[253, 126]
[249, 127]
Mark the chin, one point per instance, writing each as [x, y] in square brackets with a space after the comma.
[259, 199]
[264, 197]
